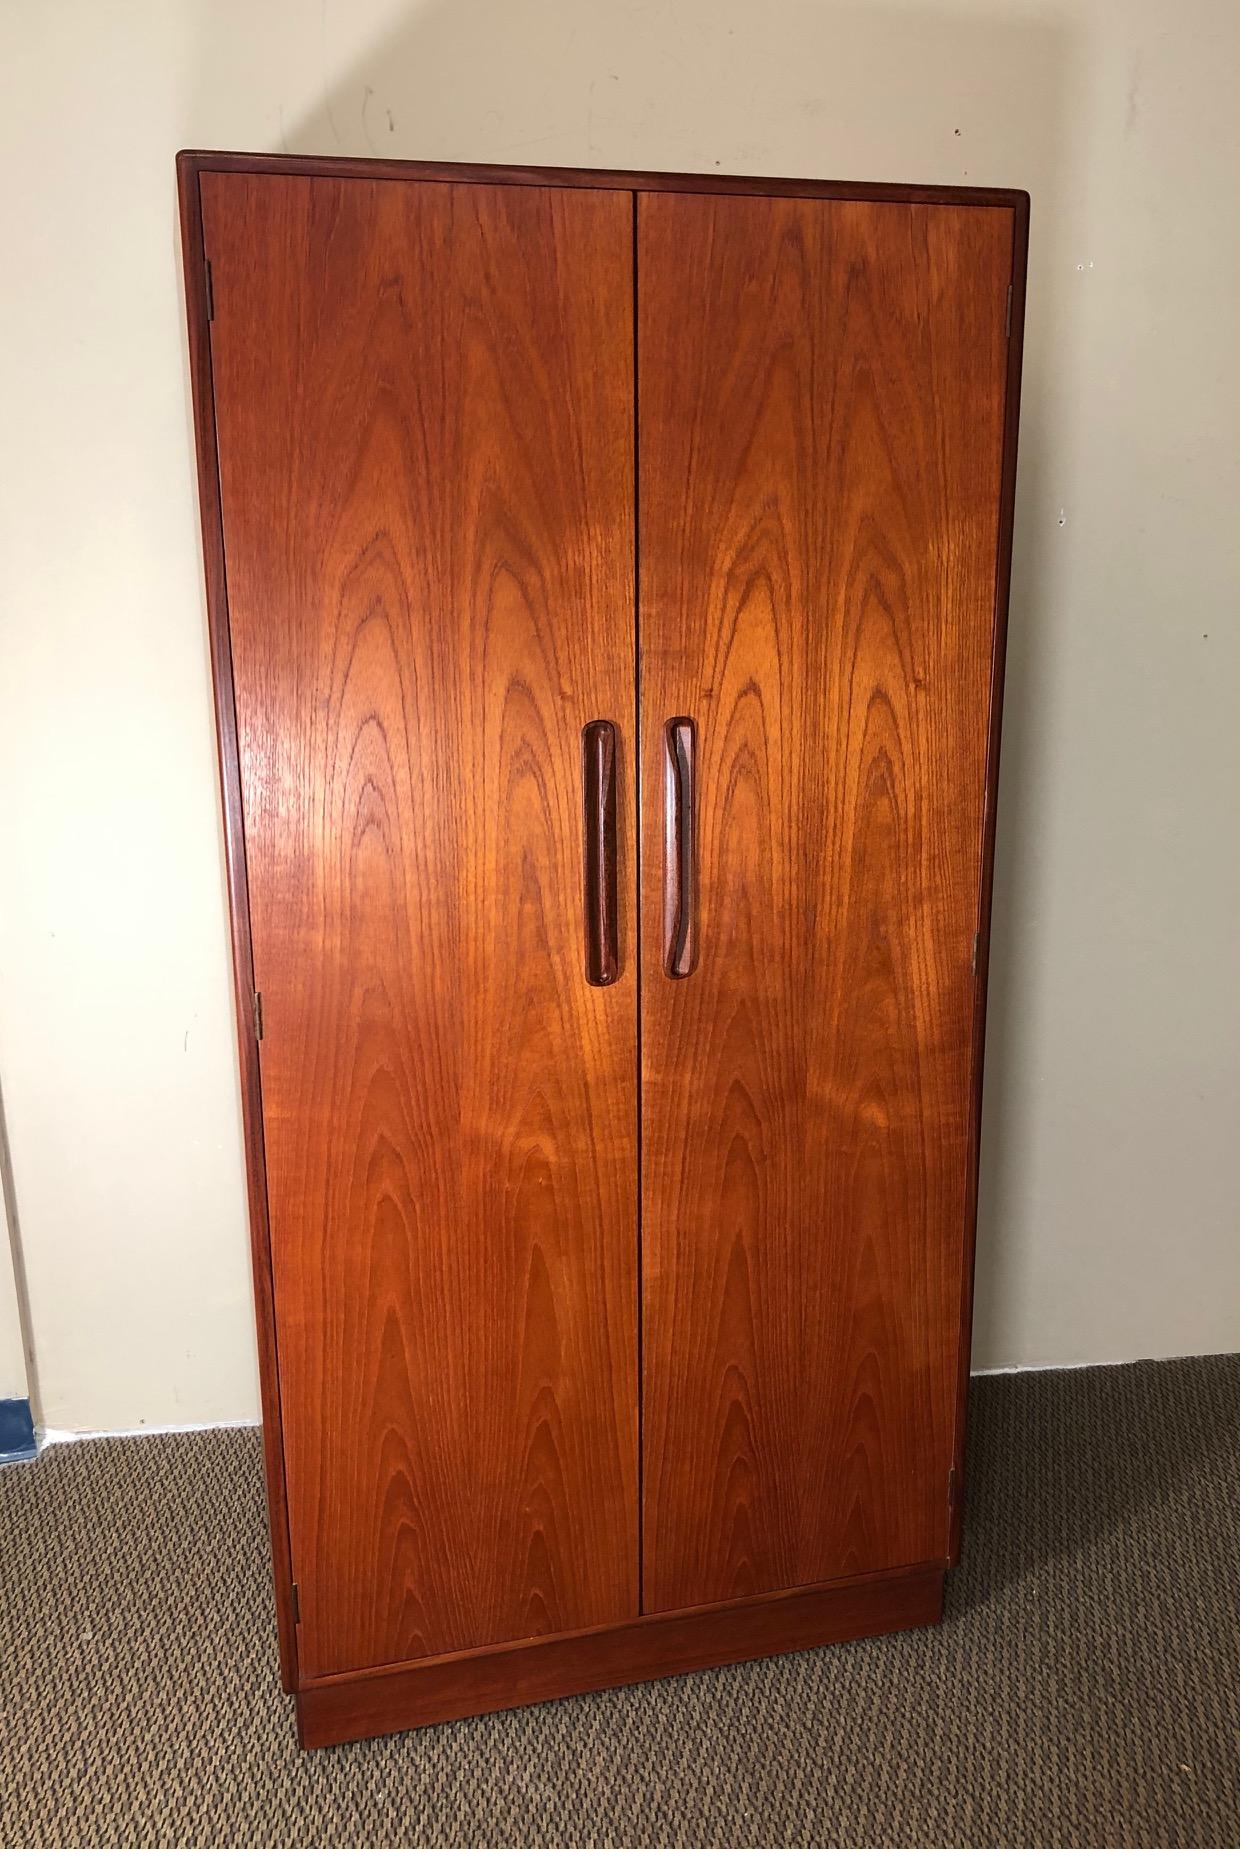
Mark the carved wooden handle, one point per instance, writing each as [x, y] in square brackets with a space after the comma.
[598, 742]
[679, 849]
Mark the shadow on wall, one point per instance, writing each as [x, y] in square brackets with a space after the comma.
[789, 88]
[11, 1257]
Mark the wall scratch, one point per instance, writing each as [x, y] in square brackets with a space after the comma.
[1134, 93]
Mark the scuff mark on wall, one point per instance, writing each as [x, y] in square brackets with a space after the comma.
[1134, 92]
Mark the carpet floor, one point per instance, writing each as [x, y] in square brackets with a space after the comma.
[1083, 1689]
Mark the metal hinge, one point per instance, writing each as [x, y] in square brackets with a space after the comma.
[951, 1490]
[210, 290]
[296, 1602]
[258, 1015]
[1007, 320]
[976, 948]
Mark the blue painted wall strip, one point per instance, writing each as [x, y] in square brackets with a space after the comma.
[16, 1431]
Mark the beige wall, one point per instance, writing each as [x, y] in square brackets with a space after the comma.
[1111, 1173]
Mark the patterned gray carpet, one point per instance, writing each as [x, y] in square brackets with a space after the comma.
[1083, 1689]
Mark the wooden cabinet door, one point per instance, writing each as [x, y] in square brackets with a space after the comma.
[424, 402]
[820, 417]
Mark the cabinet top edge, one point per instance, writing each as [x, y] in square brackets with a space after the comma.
[194, 161]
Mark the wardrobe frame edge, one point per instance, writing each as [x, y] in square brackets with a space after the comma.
[190, 165]
[192, 161]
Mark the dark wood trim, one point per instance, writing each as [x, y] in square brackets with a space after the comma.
[715, 1608]
[447, 1688]
[194, 160]
[197, 311]
[1003, 580]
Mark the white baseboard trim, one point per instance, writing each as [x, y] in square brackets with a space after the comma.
[1069, 1367]
[1053, 1367]
[51, 1435]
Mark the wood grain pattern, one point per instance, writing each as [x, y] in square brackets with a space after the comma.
[929, 297]
[821, 396]
[481, 1681]
[424, 401]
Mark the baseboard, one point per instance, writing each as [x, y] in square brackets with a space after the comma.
[53, 1435]
[17, 1442]
[1077, 1367]
[399, 1696]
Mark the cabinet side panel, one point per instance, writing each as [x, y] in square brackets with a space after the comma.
[1003, 574]
[821, 398]
[198, 308]
[424, 400]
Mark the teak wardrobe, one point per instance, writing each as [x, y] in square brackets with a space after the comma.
[607, 577]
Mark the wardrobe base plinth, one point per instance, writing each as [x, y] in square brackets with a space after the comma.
[449, 1688]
